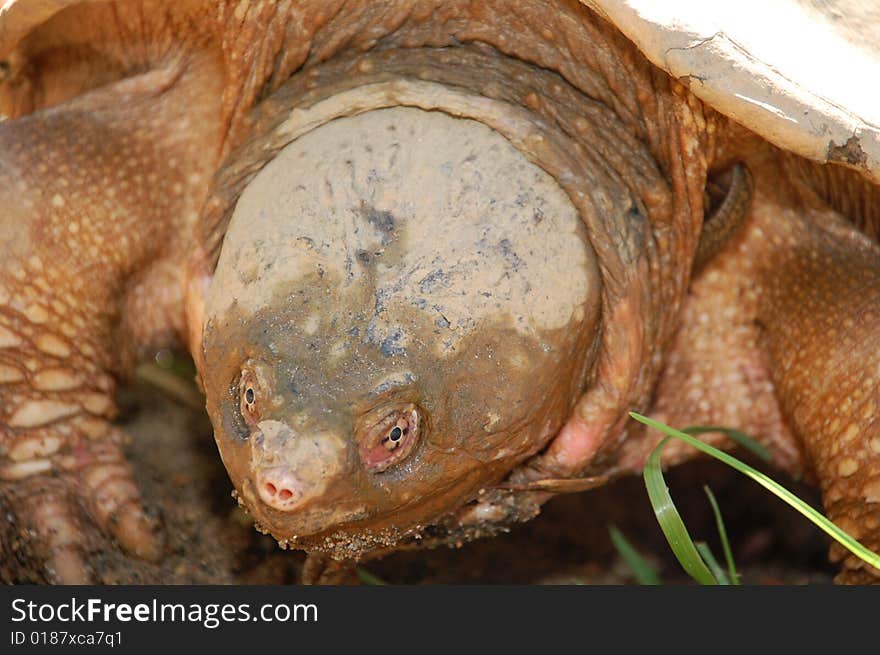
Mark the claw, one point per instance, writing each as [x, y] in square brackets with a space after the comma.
[139, 531]
[67, 567]
[53, 520]
[114, 500]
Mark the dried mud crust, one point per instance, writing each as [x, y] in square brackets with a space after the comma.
[211, 541]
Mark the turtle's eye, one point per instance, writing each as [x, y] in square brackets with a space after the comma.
[394, 437]
[249, 391]
[391, 439]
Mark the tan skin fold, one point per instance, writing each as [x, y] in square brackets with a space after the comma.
[127, 143]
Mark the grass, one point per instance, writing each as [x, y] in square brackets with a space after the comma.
[697, 558]
[641, 568]
[368, 578]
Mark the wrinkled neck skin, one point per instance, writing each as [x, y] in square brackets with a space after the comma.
[558, 93]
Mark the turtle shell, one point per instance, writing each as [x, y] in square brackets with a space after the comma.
[800, 73]
[797, 72]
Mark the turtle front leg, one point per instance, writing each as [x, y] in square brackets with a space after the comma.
[97, 198]
[61, 467]
[819, 311]
[59, 499]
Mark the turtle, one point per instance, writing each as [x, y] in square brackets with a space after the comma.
[427, 256]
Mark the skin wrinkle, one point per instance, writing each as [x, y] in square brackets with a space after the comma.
[654, 148]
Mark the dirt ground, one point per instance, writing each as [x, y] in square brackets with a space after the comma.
[211, 541]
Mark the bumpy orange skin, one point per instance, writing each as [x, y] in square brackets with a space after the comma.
[122, 113]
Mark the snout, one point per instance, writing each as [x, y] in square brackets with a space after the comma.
[290, 470]
[279, 488]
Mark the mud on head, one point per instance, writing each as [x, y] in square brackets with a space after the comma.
[400, 314]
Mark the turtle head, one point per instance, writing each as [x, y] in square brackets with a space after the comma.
[402, 312]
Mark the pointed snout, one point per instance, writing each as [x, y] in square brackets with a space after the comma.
[290, 470]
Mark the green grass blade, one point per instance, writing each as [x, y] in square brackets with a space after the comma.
[734, 435]
[706, 553]
[670, 520]
[368, 578]
[722, 533]
[816, 517]
[641, 568]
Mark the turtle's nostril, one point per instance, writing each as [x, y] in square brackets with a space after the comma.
[279, 489]
[287, 473]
